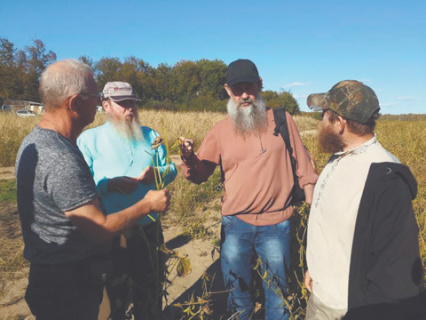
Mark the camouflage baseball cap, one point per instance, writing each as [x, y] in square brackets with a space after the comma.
[349, 98]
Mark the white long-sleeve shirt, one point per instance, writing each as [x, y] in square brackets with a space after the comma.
[331, 225]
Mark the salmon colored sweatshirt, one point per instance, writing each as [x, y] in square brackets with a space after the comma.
[256, 170]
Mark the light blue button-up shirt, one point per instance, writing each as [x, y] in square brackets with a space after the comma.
[109, 155]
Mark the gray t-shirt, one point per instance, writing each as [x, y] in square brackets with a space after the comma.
[52, 177]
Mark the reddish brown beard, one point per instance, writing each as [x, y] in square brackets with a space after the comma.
[328, 141]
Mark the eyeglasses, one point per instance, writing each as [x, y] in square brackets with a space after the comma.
[240, 88]
[98, 95]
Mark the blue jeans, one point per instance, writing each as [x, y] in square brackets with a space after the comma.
[242, 243]
[68, 291]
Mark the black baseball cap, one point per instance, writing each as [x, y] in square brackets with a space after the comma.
[241, 70]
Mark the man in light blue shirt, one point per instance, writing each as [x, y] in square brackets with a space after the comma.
[126, 162]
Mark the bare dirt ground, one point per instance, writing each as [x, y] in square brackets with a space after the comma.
[13, 306]
[7, 173]
[199, 252]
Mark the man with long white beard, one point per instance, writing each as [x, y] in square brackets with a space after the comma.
[124, 162]
[257, 178]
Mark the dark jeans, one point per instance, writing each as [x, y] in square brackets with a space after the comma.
[241, 243]
[137, 267]
[71, 291]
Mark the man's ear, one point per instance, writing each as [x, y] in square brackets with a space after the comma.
[106, 105]
[73, 102]
[260, 84]
[228, 89]
[341, 123]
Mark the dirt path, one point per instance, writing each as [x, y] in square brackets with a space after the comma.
[7, 173]
[199, 252]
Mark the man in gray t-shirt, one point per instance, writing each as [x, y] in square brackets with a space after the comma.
[52, 178]
[66, 233]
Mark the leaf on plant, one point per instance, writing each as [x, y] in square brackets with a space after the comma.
[257, 307]
[184, 267]
[215, 251]
[166, 250]
[157, 142]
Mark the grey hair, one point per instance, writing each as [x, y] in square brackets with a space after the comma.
[63, 79]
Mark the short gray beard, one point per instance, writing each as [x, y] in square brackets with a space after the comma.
[128, 130]
[248, 120]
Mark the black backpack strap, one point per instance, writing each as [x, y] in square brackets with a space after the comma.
[282, 128]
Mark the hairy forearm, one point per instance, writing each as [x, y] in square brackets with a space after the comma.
[99, 228]
[116, 223]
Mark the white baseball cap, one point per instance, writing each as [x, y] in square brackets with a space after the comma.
[119, 91]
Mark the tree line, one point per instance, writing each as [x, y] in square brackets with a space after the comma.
[185, 86]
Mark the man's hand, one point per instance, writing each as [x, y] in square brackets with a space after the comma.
[308, 281]
[98, 227]
[148, 175]
[122, 184]
[309, 193]
[186, 148]
[159, 201]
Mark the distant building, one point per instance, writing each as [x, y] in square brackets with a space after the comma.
[24, 104]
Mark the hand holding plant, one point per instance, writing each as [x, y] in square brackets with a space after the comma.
[186, 148]
[158, 201]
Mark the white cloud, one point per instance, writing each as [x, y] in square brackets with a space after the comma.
[296, 84]
[400, 102]
[389, 104]
[300, 96]
[406, 99]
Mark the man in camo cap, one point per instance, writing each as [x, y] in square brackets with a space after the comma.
[362, 233]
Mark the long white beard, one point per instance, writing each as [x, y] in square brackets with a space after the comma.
[248, 120]
[129, 130]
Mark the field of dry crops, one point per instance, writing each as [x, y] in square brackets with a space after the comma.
[190, 203]
[171, 125]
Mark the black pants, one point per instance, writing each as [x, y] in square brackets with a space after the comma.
[137, 267]
[68, 291]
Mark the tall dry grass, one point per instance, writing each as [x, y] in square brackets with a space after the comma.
[190, 203]
[12, 130]
[193, 125]
[406, 140]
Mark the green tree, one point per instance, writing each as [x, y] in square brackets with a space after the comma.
[7, 67]
[11, 73]
[134, 71]
[287, 100]
[163, 83]
[87, 60]
[38, 58]
[278, 100]
[271, 98]
[212, 78]
[20, 70]
[7, 53]
[107, 69]
[187, 80]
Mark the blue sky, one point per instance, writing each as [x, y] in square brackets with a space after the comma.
[299, 46]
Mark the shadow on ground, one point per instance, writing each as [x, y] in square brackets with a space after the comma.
[178, 242]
